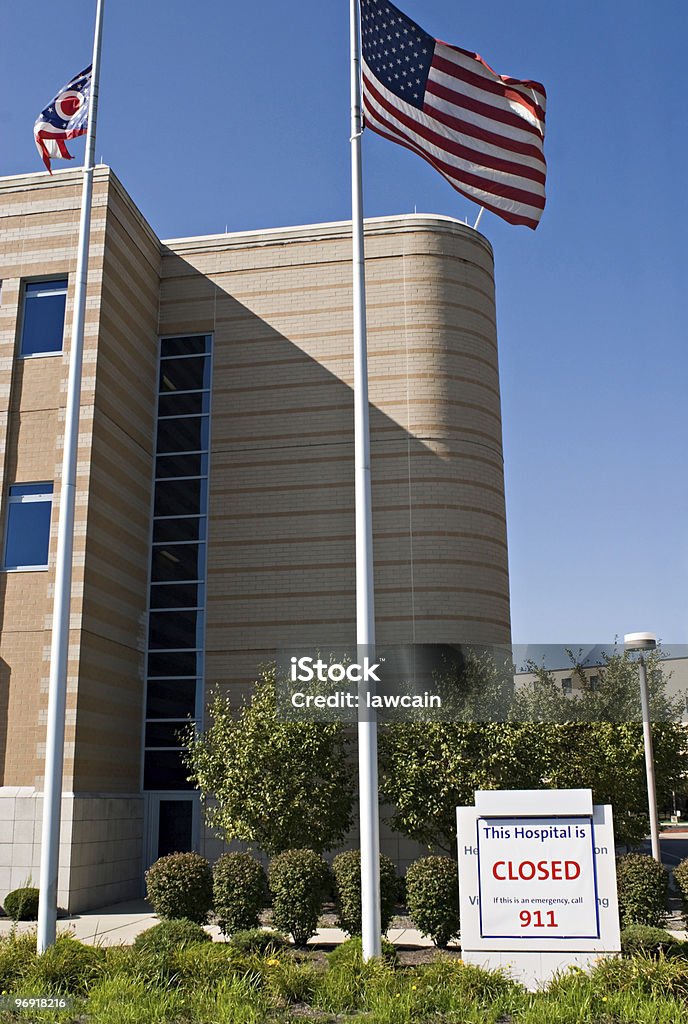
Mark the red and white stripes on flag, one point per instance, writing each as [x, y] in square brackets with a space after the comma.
[483, 131]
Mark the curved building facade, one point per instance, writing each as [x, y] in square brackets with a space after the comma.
[215, 504]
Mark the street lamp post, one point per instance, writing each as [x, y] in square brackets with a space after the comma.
[641, 642]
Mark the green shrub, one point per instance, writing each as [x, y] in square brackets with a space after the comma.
[432, 898]
[299, 881]
[22, 904]
[350, 953]
[181, 885]
[167, 936]
[66, 966]
[346, 868]
[258, 940]
[643, 886]
[641, 938]
[17, 954]
[240, 891]
[681, 879]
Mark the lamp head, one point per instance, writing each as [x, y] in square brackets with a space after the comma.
[640, 641]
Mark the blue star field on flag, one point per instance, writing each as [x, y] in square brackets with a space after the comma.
[397, 51]
[66, 117]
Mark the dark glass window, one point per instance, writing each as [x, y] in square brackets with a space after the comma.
[184, 528]
[164, 769]
[180, 497]
[182, 465]
[43, 316]
[171, 630]
[193, 346]
[166, 734]
[190, 404]
[185, 374]
[27, 536]
[186, 434]
[175, 663]
[171, 698]
[177, 595]
[178, 563]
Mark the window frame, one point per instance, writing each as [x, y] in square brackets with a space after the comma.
[22, 319]
[45, 497]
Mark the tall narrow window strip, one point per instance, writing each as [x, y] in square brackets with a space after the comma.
[176, 629]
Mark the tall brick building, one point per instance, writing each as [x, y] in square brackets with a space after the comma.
[215, 500]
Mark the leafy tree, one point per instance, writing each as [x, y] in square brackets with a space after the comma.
[430, 768]
[596, 737]
[281, 785]
[539, 737]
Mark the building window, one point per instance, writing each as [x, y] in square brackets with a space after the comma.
[176, 620]
[27, 535]
[594, 682]
[43, 317]
[567, 684]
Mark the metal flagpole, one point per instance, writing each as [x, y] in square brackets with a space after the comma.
[59, 650]
[365, 601]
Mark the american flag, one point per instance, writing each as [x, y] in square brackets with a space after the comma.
[483, 131]
[64, 118]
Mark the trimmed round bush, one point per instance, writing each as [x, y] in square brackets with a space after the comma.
[643, 886]
[66, 966]
[432, 898]
[346, 868]
[181, 885]
[258, 940]
[640, 938]
[299, 881]
[169, 935]
[22, 904]
[240, 891]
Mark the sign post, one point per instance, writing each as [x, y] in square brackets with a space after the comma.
[537, 882]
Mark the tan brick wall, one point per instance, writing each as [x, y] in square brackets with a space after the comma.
[281, 531]
[39, 225]
[111, 687]
[39, 218]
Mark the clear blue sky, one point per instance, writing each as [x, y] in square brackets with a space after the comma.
[220, 113]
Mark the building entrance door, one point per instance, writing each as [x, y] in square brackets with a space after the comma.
[173, 824]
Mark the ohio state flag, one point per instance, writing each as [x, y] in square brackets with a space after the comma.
[66, 117]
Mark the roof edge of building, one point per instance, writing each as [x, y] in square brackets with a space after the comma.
[391, 224]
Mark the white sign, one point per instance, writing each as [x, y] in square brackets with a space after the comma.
[536, 878]
[537, 882]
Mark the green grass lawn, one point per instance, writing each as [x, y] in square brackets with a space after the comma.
[212, 983]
